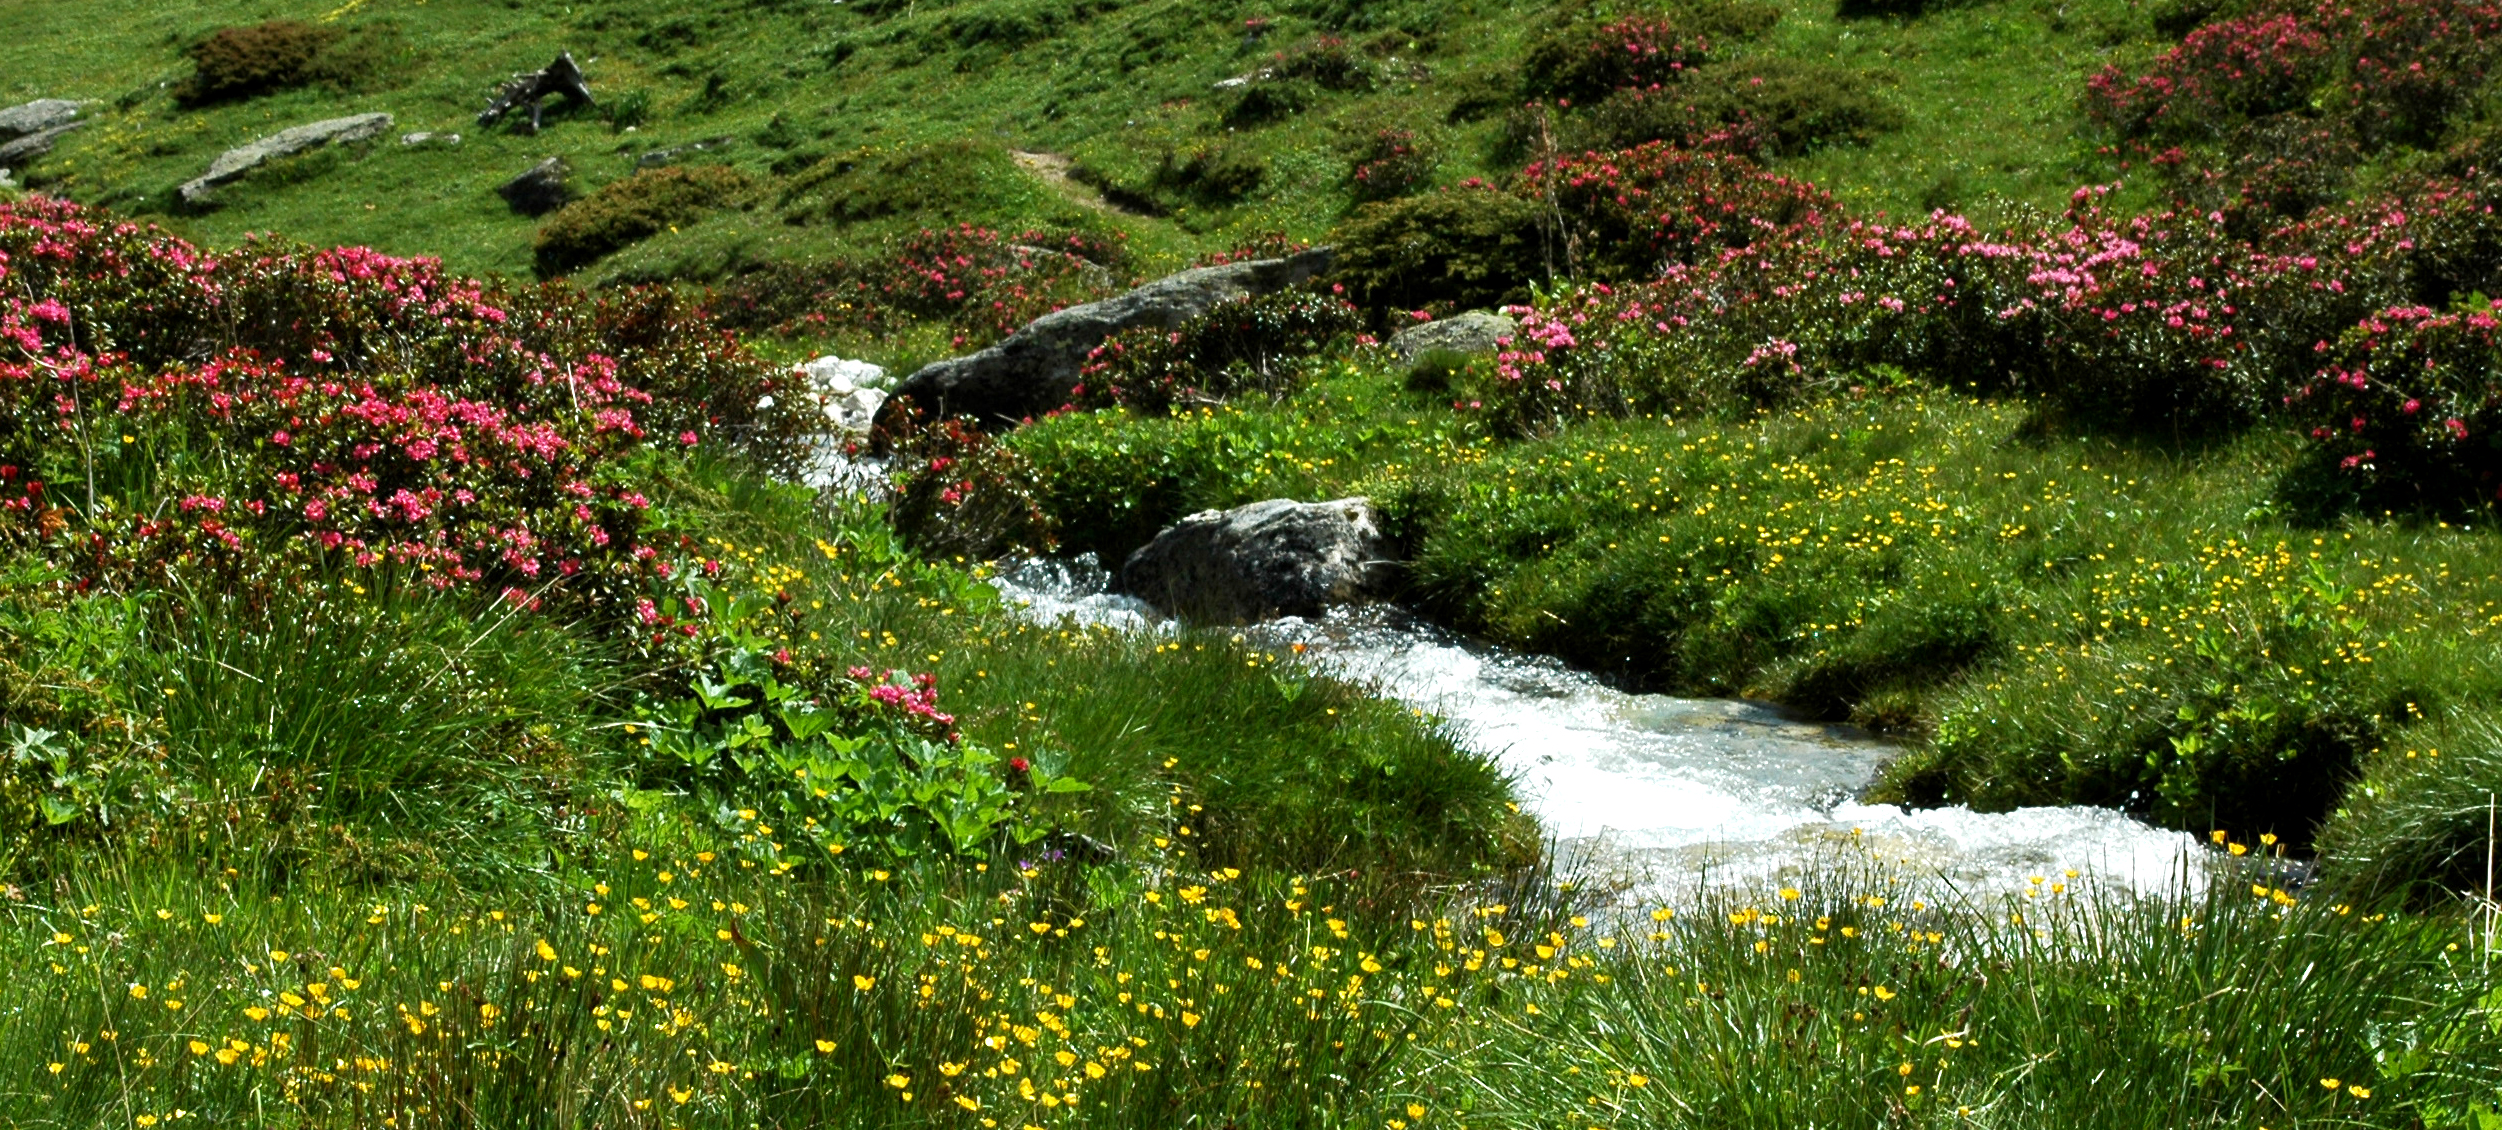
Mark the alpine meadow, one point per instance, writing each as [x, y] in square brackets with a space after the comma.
[1250, 564]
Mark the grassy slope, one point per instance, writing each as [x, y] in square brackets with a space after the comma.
[1989, 90]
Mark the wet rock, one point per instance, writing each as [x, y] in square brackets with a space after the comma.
[37, 116]
[1033, 369]
[540, 189]
[1267, 559]
[1474, 332]
[242, 159]
[25, 149]
[853, 391]
[676, 153]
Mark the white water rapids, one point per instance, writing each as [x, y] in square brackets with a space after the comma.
[1672, 792]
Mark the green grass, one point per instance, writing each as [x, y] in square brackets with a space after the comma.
[661, 984]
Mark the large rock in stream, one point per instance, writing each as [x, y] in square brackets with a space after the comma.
[1032, 371]
[242, 159]
[1264, 560]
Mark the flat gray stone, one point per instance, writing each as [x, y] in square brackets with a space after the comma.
[1473, 332]
[34, 145]
[37, 116]
[1032, 371]
[242, 159]
[1261, 561]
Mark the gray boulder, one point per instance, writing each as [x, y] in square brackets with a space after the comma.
[242, 159]
[1033, 370]
[1267, 559]
[33, 145]
[37, 116]
[1473, 332]
[540, 189]
[429, 137]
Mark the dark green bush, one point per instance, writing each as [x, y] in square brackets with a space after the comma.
[628, 211]
[1790, 106]
[1269, 100]
[1246, 345]
[1328, 62]
[244, 62]
[949, 182]
[959, 493]
[1215, 173]
[1388, 164]
[1462, 248]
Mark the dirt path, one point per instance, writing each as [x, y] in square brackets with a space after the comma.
[1053, 169]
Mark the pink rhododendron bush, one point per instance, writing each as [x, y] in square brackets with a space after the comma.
[163, 408]
[2363, 325]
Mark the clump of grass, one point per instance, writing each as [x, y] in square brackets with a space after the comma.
[675, 984]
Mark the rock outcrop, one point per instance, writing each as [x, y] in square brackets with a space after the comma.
[540, 189]
[1267, 559]
[852, 390]
[1473, 332]
[36, 117]
[235, 162]
[1032, 370]
[24, 149]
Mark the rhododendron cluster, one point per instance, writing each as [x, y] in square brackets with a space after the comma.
[1632, 213]
[165, 408]
[985, 283]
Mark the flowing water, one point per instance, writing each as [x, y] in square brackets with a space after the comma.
[1670, 792]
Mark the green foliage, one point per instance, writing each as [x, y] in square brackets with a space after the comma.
[237, 63]
[1458, 248]
[1245, 345]
[1215, 173]
[961, 494]
[634, 209]
[955, 180]
[1788, 107]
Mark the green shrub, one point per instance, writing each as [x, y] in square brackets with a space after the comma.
[631, 210]
[244, 62]
[1792, 106]
[1388, 164]
[1327, 62]
[951, 182]
[1268, 100]
[1582, 61]
[1460, 248]
[1213, 173]
[1241, 346]
[961, 494]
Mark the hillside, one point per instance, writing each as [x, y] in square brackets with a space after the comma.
[431, 694]
[1118, 88]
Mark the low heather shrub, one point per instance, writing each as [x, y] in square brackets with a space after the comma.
[244, 62]
[1242, 346]
[1584, 61]
[982, 282]
[1388, 164]
[629, 211]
